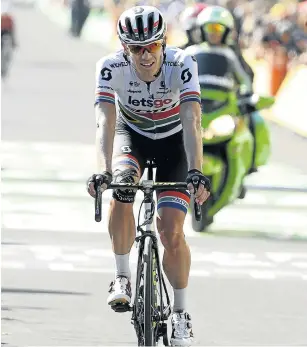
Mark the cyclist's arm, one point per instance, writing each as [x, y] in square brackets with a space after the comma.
[105, 112]
[240, 74]
[190, 112]
[105, 123]
[190, 115]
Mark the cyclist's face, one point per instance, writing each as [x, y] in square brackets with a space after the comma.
[147, 59]
[214, 38]
[214, 32]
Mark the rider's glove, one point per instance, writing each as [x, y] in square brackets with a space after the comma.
[196, 178]
[104, 178]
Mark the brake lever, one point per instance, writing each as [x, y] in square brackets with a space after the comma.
[197, 208]
[98, 198]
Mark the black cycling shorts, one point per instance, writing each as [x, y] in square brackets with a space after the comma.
[130, 152]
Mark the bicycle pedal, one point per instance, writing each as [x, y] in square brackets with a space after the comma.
[121, 308]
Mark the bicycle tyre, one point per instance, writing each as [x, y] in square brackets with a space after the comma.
[149, 338]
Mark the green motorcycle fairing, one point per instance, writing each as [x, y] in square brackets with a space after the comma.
[239, 158]
[262, 139]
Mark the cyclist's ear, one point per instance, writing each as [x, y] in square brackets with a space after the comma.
[126, 50]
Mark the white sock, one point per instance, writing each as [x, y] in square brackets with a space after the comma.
[122, 265]
[179, 299]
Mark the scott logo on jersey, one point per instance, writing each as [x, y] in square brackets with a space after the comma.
[149, 103]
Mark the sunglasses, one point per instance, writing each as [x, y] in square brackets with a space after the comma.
[214, 28]
[151, 48]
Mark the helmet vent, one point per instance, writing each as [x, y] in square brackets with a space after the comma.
[129, 29]
[121, 28]
[150, 24]
[140, 27]
[160, 23]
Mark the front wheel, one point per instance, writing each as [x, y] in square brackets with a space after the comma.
[205, 221]
[149, 331]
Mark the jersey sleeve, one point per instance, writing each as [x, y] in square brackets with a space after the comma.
[104, 89]
[189, 82]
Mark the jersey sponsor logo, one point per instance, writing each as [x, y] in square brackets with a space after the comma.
[121, 64]
[182, 90]
[164, 92]
[105, 87]
[174, 63]
[134, 91]
[217, 80]
[136, 84]
[126, 149]
[149, 103]
[186, 76]
[106, 74]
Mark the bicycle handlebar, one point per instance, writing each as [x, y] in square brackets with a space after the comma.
[144, 185]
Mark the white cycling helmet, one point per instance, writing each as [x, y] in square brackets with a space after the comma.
[141, 25]
[216, 14]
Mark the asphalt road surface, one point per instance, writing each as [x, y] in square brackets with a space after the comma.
[57, 262]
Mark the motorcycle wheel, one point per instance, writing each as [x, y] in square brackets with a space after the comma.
[205, 221]
[6, 53]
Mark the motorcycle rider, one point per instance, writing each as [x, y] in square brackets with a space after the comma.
[222, 70]
[188, 19]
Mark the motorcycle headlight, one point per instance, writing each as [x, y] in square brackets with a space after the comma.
[219, 127]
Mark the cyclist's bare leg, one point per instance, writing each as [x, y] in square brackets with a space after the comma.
[122, 234]
[177, 257]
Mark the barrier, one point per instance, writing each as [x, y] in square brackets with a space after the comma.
[290, 108]
[278, 63]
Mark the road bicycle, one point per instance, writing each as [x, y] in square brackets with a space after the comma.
[151, 306]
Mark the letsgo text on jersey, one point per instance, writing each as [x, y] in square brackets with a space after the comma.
[148, 103]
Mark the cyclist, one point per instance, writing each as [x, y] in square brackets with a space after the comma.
[148, 106]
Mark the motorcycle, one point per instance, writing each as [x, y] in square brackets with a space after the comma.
[229, 149]
[7, 43]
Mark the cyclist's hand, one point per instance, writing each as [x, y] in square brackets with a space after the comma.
[105, 178]
[201, 183]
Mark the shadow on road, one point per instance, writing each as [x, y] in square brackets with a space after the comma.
[11, 308]
[40, 291]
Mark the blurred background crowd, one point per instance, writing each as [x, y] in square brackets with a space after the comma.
[262, 25]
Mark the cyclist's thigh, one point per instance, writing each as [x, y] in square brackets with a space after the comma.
[127, 163]
[172, 167]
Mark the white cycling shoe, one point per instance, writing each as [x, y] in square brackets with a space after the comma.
[182, 334]
[120, 291]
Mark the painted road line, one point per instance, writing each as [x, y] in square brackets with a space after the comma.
[38, 194]
[76, 213]
[262, 266]
[61, 161]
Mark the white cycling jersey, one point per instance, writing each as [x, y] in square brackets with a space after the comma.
[149, 108]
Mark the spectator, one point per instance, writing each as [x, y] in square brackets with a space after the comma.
[80, 10]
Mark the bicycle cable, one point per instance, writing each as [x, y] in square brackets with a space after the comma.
[147, 221]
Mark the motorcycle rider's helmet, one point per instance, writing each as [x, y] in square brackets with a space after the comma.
[188, 20]
[216, 19]
[141, 25]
